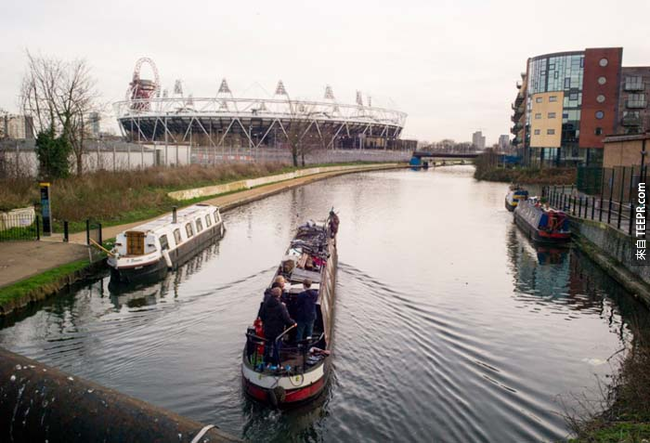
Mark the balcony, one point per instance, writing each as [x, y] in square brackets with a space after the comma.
[638, 103]
[633, 84]
[631, 120]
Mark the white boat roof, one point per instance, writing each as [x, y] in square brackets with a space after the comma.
[182, 215]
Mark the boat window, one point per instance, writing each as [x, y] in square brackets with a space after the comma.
[217, 217]
[199, 225]
[189, 230]
[164, 243]
[208, 222]
[134, 243]
[177, 236]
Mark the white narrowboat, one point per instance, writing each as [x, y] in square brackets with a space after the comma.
[149, 250]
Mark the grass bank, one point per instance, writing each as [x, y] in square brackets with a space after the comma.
[128, 196]
[626, 401]
[41, 286]
[531, 176]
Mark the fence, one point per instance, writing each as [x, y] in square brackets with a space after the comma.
[619, 213]
[618, 183]
[20, 226]
[18, 158]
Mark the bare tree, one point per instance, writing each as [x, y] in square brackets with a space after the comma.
[60, 95]
[297, 131]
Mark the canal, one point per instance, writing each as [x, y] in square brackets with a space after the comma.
[450, 325]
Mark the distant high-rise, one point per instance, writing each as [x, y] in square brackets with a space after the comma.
[478, 140]
[17, 127]
[94, 119]
[504, 142]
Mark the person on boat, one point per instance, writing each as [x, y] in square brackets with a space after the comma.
[275, 318]
[278, 282]
[306, 310]
[334, 223]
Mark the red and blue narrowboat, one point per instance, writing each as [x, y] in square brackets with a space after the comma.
[542, 223]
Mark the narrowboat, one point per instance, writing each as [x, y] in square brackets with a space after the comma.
[515, 195]
[148, 251]
[304, 366]
[542, 223]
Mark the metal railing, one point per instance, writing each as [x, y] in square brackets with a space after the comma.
[602, 208]
[23, 226]
[255, 346]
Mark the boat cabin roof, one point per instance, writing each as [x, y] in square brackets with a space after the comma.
[182, 216]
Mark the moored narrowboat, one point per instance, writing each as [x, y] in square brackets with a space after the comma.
[303, 368]
[515, 195]
[148, 251]
[542, 223]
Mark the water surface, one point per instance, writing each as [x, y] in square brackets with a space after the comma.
[450, 325]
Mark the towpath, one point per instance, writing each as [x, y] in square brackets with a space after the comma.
[22, 259]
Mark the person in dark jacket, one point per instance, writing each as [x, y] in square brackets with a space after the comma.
[275, 318]
[306, 310]
[278, 282]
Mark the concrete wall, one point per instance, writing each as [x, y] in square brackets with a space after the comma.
[614, 251]
[623, 153]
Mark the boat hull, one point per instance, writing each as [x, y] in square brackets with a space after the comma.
[284, 393]
[158, 268]
[510, 207]
[540, 236]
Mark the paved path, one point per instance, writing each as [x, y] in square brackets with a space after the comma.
[22, 259]
[230, 201]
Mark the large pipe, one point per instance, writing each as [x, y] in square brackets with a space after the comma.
[40, 403]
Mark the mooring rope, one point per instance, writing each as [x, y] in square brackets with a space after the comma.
[201, 433]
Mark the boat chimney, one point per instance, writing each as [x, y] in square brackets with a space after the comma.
[174, 220]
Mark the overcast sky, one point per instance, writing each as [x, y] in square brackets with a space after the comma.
[451, 65]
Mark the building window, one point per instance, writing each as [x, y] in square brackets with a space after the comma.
[552, 98]
[634, 83]
[600, 115]
[636, 101]
[567, 83]
[550, 132]
[538, 99]
[600, 98]
[598, 131]
[573, 96]
[603, 62]
[551, 115]
[537, 132]
[538, 116]
[602, 80]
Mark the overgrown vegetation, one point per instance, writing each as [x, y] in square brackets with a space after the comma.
[626, 402]
[124, 195]
[488, 168]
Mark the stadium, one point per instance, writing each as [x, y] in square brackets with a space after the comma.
[150, 115]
